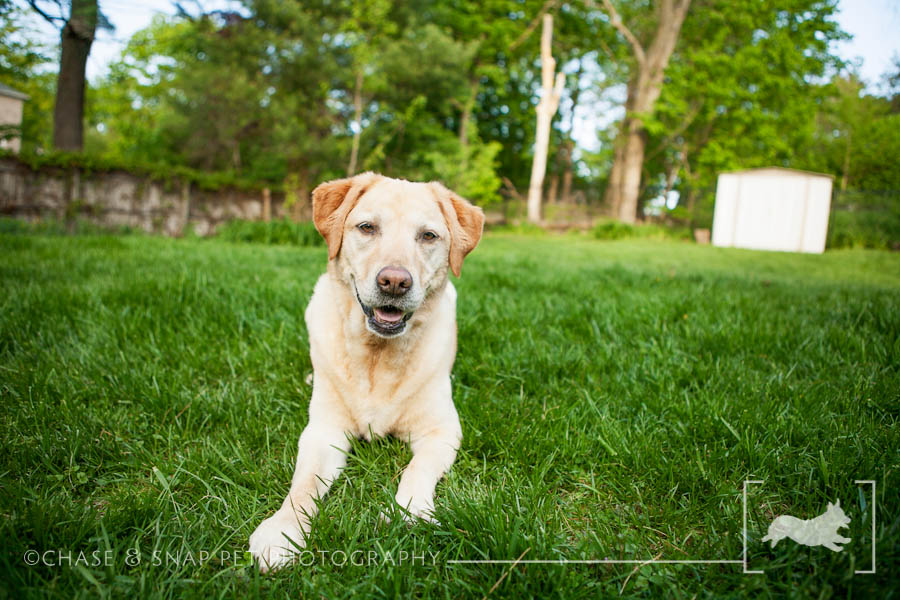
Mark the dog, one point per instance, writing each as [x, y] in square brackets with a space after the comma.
[382, 340]
[821, 531]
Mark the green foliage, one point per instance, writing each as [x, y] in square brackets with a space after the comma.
[266, 96]
[154, 391]
[858, 138]
[865, 220]
[616, 230]
[23, 64]
[279, 232]
[523, 228]
[741, 91]
[470, 170]
[76, 226]
[88, 163]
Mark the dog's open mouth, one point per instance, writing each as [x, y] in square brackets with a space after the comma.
[388, 315]
[386, 320]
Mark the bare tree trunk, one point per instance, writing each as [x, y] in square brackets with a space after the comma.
[546, 108]
[644, 89]
[613, 196]
[236, 155]
[357, 118]
[76, 39]
[554, 189]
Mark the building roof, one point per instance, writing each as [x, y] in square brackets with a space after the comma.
[7, 91]
[783, 170]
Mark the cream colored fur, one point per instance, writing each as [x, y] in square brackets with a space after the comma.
[366, 384]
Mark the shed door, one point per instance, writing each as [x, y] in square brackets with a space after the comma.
[770, 212]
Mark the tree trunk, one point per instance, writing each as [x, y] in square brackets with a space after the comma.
[569, 145]
[68, 113]
[546, 108]
[845, 171]
[644, 88]
[467, 110]
[613, 196]
[357, 118]
[554, 189]
[632, 162]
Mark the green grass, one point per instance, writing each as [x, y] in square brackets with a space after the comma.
[280, 232]
[616, 230]
[614, 396]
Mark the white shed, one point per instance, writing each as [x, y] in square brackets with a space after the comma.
[772, 209]
[11, 102]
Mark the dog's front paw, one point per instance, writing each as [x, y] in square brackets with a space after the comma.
[417, 508]
[276, 541]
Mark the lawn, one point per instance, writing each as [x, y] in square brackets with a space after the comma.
[614, 397]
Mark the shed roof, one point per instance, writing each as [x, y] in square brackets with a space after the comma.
[7, 91]
[782, 170]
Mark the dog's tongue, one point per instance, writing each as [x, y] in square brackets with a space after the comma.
[388, 314]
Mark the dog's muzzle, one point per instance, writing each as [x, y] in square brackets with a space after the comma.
[385, 321]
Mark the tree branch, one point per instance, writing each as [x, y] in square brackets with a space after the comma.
[533, 25]
[616, 21]
[50, 19]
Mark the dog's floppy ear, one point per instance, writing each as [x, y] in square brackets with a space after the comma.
[465, 221]
[332, 201]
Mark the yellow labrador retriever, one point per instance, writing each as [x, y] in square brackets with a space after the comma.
[382, 339]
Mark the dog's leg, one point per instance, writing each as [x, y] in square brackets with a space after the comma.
[322, 453]
[433, 455]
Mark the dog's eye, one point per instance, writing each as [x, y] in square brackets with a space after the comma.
[366, 228]
[429, 236]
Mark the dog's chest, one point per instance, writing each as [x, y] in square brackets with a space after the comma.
[376, 410]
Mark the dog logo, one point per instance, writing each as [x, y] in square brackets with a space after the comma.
[821, 531]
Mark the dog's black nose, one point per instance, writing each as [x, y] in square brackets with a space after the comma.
[395, 281]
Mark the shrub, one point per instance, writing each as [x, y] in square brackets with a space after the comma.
[53, 226]
[523, 228]
[864, 229]
[616, 230]
[280, 232]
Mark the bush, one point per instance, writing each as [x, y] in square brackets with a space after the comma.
[616, 230]
[523, 228]
[864, 229]
[54, 226]
[88, 163]
[282, 232]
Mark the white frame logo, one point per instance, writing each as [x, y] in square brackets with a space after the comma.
[651, 561]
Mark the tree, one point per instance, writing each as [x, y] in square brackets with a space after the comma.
[858, 138]
[76, 37]
[743, 90]
[644, 87]
[546, 108]
[23, 63]
[369, 25]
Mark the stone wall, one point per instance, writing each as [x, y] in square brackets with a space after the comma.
[119, 198]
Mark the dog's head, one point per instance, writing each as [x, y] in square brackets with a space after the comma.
[836, 515]
[393, 240]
